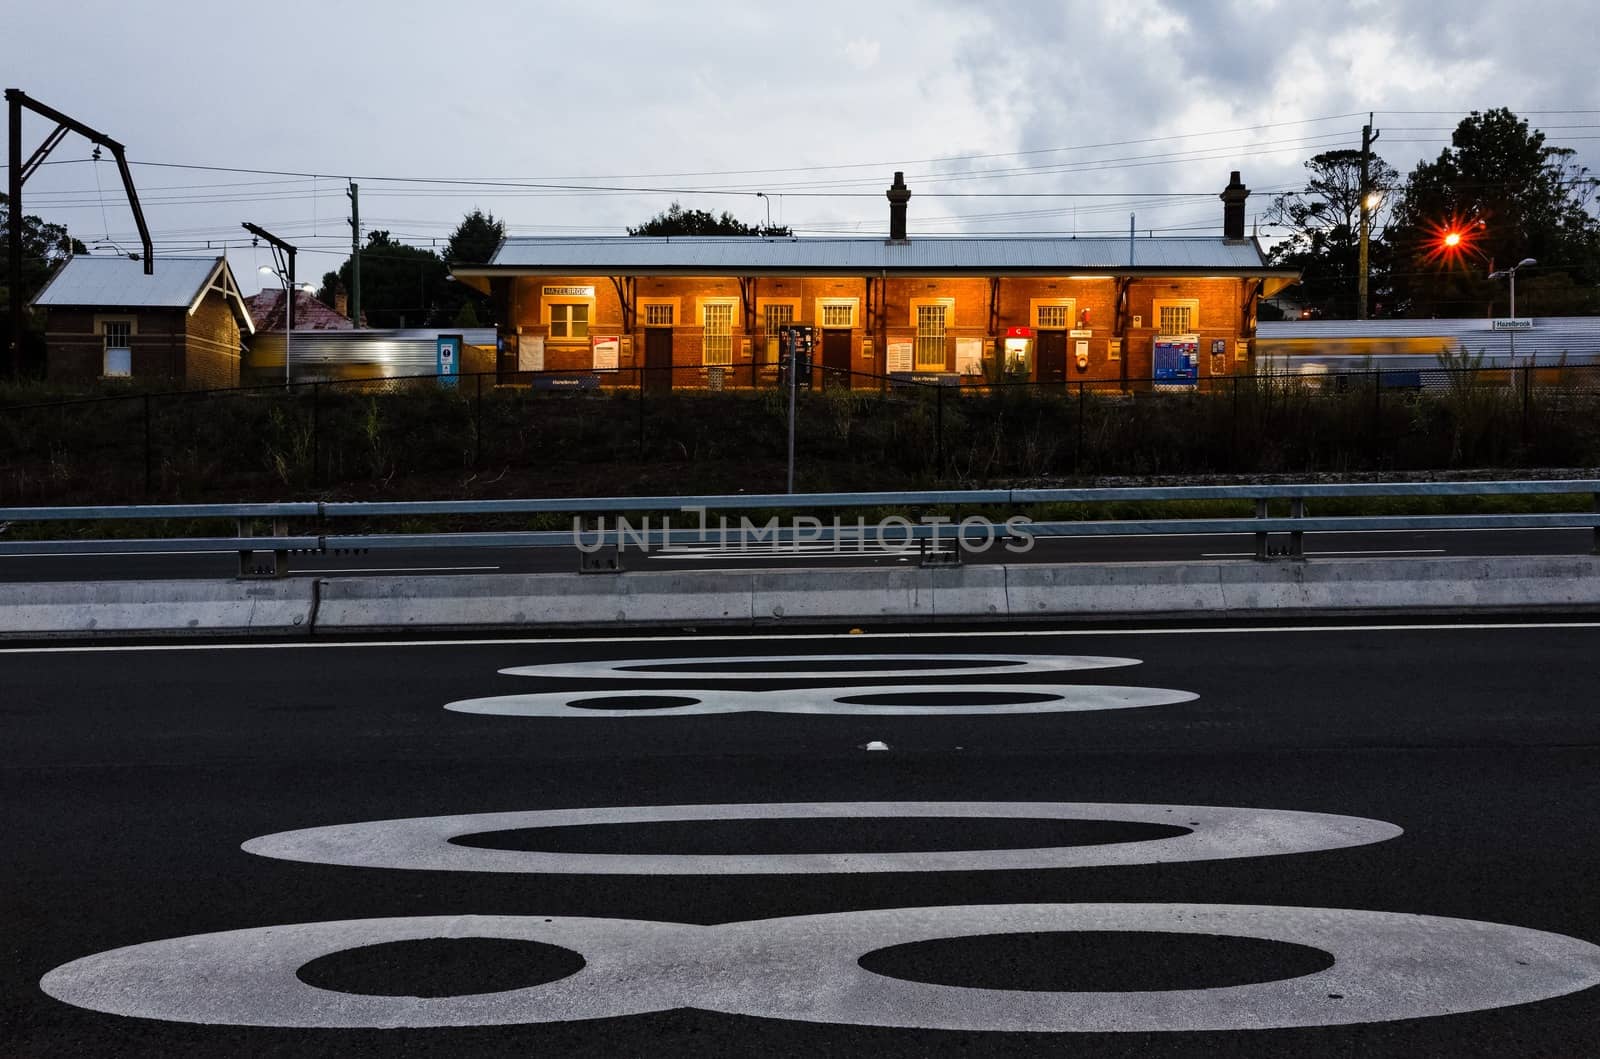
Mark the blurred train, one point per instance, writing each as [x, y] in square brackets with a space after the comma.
[1407, 352]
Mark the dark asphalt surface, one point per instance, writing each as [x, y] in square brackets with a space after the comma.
[129, 778]
[1144, 548]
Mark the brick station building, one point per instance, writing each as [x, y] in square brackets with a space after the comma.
[705, 312]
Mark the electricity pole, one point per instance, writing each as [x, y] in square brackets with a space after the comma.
[1368, 138]
[355, 253]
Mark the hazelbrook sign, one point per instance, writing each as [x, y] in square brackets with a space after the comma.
[1520, 323]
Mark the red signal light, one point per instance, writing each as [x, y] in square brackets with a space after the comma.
[1449, 242]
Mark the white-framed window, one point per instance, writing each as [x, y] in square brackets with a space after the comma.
[932, 350]
[837, 312]
[659, 314]
[569, 320]
[775, 316]
[1177, 316]
[1053, 316]
[717, 344]
[118, 359]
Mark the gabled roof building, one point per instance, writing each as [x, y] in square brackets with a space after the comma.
[181, 325]
[690, 312]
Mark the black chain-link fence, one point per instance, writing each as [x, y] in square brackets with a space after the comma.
[576, 432]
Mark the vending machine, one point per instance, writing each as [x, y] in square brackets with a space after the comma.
[796, 345]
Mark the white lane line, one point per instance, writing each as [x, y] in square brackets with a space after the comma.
[388, 570]
[772, 667]
[101, 555]
[1351, 551]
[995, 633]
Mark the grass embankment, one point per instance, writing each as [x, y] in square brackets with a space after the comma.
[341, 443]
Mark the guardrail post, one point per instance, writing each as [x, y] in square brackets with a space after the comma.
[1261, 537]
[1297, 509]
[1597, 528]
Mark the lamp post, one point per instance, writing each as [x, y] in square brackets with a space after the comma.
[281, 252]
[290, 289]
[1511, 274]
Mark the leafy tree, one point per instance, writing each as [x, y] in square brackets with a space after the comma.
[675, 220]
[1513, 197]
[472, 243]
[44, 248]
[400, 284]
[1324, 221]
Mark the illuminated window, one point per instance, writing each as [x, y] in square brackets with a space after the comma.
[775, 316]
[569, 321]
[718, 322]
[1053, 317]
[1178, 316]
[931, 348]
[118, 354]
[839, 314]
[658, 314]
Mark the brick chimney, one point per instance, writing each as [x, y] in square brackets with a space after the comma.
[341, 300]
[1233, 197]
[898, 195]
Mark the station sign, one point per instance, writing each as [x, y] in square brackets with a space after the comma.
[1518, 323]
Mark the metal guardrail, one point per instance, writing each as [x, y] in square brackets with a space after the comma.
[280, 543]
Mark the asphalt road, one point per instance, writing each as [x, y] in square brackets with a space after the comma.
[114, 566]
[1461, 763]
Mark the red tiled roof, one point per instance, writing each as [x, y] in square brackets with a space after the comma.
[310, 314]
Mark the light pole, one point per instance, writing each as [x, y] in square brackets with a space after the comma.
[290, 289]
[1511, 274]
[281, 251]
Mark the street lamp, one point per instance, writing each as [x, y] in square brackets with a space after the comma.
[290, 288]
[1511, 274]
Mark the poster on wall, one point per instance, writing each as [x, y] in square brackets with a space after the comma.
[530, 353]
[969, 356]
[866, 349]
[899, 356]
[607, 351]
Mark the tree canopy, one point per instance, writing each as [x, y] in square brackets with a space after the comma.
[399, 283]
[44, 248]
[1324, 221]
[1510, 196]
[675, 220]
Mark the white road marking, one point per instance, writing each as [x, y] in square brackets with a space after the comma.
[428, 843]
[747, 667]
[1356, 551]
[388, 570]
[997, 632]
[1388, 966]
[825, 701]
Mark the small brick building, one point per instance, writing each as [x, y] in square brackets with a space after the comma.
[694, 312]
[182, 325]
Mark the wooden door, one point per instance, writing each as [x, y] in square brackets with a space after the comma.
[1051, 348]
[836, 358]
[658, 359]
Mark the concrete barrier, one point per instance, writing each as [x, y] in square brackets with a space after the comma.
[882, 595]
[156, 608]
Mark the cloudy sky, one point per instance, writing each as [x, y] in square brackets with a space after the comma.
[1008, 116]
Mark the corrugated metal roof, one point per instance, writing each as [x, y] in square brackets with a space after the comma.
[1575, 336]
[118, 283]
[744, 254]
